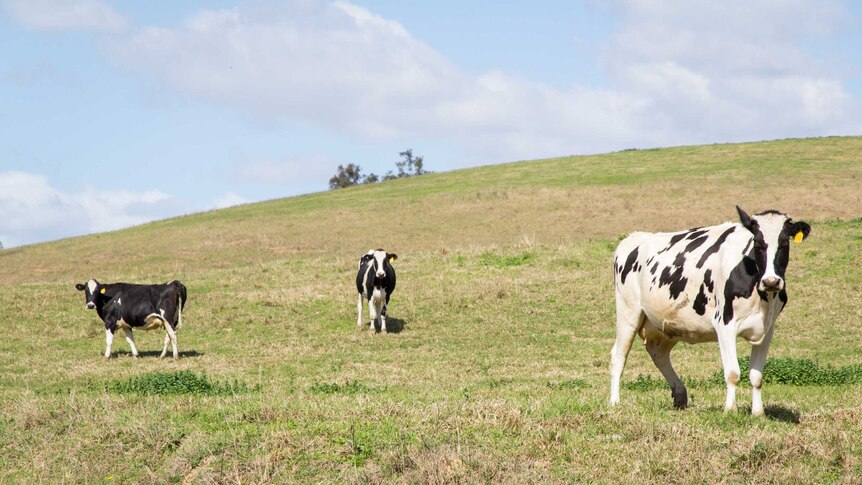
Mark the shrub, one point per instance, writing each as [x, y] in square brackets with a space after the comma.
[177, 382]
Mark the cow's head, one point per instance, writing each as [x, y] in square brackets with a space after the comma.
[772, 232]
[91, 290]
[380, 261]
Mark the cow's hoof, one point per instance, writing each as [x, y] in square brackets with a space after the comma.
[106, 357]
[680, 400]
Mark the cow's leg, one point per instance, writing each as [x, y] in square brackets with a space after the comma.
[165, 349]
[383, 317]
[372, 311]
[359, 311]
[629, 320]
[131, 341]
[758, 359]
[173, 336]
[659, 350]
[727, 347]
[109, 340]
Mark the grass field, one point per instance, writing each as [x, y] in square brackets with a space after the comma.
[503, 319]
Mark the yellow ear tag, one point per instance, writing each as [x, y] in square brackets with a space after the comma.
[391, 260]
[798, 237]
[103, 291]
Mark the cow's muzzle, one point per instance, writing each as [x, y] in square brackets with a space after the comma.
[381, 274]
[771, 284]
[90, 305]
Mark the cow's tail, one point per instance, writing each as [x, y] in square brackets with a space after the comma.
[181, 301]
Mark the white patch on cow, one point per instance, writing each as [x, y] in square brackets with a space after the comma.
[771, 226]
[109, 339]
[378, 299]
[92, 286]
[365, 278]
[119, 301]
[173, 337]
[359, 311]
[130, 339]
[380, 257]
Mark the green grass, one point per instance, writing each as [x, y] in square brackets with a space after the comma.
[177, 382]
[504, 315]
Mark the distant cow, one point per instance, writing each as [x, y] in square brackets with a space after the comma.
[704, 284]
[375, 281]
[145, 307]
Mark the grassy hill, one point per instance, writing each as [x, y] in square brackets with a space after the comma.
[504, 312]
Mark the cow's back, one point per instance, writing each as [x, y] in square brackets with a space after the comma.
[135, 302]
[678, 278]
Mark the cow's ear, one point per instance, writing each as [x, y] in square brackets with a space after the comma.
[391, 257]
[80, 287]
[746, 219]
[799, 231]
[365, 258]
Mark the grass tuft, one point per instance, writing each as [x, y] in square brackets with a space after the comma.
[491, 259]
[178, 382]
[349, 388]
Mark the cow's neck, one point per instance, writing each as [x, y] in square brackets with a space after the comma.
[772, 310]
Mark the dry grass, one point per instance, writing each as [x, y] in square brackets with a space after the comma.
[499, 372]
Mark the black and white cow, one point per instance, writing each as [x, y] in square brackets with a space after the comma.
[375, 281]
[145, 307]
[704, 284]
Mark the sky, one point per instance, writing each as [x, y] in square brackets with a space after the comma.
[114, 114]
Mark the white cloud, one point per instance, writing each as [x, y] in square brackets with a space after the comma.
[64, 15]
[678, 75]
[33, 210]
[230, 199]
[746, 76]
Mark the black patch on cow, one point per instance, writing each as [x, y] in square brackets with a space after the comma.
[654, 269]
[715, 246]
[740, 284]
[700, 301]
[695, 243]
[673, 278]
[673, 240]
[707, 280]
[629, 265]
[702, 298]
[696, 233]
[747, 246]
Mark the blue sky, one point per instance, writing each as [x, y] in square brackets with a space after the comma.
[117, 113]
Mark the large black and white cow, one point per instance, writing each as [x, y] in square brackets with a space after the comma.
[375, 281]
[145, 307]
[704, 284]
